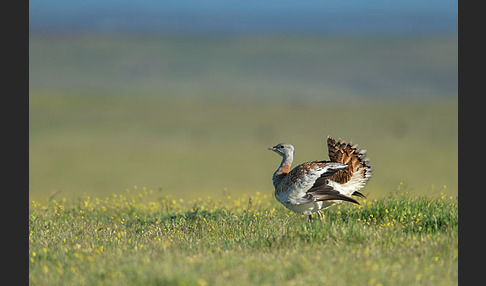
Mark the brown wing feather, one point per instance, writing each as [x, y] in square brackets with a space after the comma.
[327, 193]
[349, 154]
[301, 170]
[322, 191]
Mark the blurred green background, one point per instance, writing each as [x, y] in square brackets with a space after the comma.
[192, 113]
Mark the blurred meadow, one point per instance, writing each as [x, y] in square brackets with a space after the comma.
[191, 113]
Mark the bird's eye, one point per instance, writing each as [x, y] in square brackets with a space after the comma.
[282, 147]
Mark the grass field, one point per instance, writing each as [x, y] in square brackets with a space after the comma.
[185, 150]
[191, 119]
[141, 237]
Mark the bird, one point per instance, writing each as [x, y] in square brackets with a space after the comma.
[317, 185]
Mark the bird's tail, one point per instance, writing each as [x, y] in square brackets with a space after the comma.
[358, 171]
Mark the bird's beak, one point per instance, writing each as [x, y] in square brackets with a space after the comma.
[272, 148]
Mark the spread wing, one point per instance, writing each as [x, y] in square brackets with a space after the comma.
[312, 179]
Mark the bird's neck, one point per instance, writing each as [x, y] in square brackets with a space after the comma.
[283, 169]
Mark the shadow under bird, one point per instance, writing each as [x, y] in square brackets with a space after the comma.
[313, 186]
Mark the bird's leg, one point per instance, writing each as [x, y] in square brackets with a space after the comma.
[310, 218]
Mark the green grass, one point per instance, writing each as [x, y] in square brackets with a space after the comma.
[142, 237]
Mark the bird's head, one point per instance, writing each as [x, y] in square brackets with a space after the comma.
[283, 149]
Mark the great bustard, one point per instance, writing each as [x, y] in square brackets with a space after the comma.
[313, 186]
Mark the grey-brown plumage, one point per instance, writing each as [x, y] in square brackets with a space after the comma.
[316, 185]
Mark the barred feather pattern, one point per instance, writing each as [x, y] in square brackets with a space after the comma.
[356, 174]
